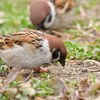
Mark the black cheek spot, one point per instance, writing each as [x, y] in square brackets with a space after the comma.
[50, 17]
[55, 53]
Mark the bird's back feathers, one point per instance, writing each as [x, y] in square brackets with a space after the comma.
[28, 36]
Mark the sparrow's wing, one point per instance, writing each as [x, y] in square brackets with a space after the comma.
[64, 4]
[29, 36]
[5, 42]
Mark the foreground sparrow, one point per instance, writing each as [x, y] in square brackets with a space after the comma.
[51, 14]
[32, 49]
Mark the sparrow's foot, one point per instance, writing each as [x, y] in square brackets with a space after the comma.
[41, 70]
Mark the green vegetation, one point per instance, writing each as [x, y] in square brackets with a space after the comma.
[78, 51]
[15, 16]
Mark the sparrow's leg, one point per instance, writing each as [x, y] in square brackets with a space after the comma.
[41, 70]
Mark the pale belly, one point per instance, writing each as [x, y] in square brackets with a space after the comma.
[28, 58]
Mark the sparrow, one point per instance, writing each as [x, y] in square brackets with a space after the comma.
[65, 10]
[32, 48]
[51, 14]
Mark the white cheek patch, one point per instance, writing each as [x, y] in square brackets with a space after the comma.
[53, 14]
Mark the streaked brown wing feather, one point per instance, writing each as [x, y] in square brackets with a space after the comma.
[61, 3]
[5, 42]
[29, 36]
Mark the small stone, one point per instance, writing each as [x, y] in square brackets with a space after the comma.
[84, 70]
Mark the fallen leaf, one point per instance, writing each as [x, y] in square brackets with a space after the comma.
[14, 73]
[57, 85]
[94, 90]
[11, 76]
[60, 88]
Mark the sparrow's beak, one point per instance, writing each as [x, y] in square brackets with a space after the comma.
[62, 60]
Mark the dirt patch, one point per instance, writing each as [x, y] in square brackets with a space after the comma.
[75, 70]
